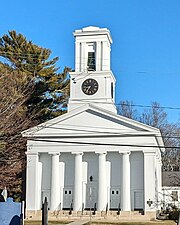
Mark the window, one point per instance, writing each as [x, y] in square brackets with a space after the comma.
[91, 61]
[70, 192]
[65, 192]
[91, 56]
[174, 195]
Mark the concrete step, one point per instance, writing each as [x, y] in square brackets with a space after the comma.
[87, 215]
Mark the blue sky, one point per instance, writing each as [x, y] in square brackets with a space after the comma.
[146, 40]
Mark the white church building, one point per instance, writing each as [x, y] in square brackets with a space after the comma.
[91, 156]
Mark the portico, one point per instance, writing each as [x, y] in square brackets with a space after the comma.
[107, 179]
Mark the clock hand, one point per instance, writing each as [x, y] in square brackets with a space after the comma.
[88, 88]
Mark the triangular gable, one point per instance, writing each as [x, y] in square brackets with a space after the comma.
[91, 120]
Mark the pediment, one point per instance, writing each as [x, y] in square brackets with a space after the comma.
[88, 120]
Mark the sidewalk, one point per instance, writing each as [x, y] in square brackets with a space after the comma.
[80, 222]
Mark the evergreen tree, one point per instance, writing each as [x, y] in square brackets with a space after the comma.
[31, 91]
[51, 89]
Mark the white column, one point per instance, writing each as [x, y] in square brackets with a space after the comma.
[83, 57]
[159, 163]
[32, 182]
[77, 57]
[55, 181]
[149, 180]
[106, 55]
[159, 184]
[102, 183]
[77, 203]
[98, 56]
[126, 193]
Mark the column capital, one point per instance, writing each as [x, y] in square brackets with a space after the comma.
[77, 153]
[124, 152]
[149, 152]
[158, 157]
[125, 149]
[32, 153]
[101, 153]
[54, 153]
[29, 147]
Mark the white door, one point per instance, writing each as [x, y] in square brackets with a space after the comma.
[91, 198]
[67, 198]
[115, 198]
[138, 200]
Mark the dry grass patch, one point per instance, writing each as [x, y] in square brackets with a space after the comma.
[28, 222]
[166, 222]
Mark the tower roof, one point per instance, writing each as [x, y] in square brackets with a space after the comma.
[93, 30]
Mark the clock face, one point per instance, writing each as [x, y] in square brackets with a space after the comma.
[90, 86]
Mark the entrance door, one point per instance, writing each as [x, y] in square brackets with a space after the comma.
[91, 198]
[138, 200]
[67, 198]
[115, 198]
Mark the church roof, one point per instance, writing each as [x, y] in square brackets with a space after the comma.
[92, 30]
[92, 121]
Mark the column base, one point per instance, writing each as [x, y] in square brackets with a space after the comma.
[125, 213]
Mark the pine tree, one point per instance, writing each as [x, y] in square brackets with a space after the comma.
[31, 91]
[51, 89]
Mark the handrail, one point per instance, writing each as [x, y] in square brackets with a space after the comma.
[94, 210]
[45, 212]
[106, 208]
[71, 208]
[119, 209]
[82, 208]
[59, 207]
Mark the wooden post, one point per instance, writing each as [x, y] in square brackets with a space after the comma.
[45, 212]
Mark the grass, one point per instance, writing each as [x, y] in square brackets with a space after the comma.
[165, 222]
[49, 223]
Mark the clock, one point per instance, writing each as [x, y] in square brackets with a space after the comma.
[90, 86]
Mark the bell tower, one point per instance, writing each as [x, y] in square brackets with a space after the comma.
[92, 81]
